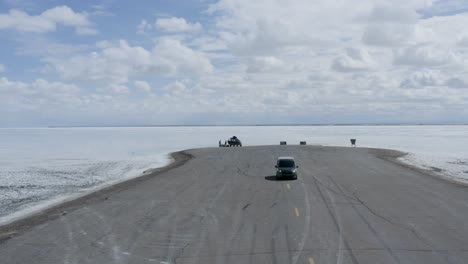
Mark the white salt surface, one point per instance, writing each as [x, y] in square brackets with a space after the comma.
[43, 166]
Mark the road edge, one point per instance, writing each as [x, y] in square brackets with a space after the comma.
[394, 156]
[15, 227]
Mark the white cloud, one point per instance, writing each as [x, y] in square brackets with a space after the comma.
[208, 43]
[432, 78]
[176, 24]
[180, 59]
[2, 68]
[116, 62]
[423, 56]
[44, 86]
[45, 22]
[267, 27]
[442, 29]
[86, 31]
[176, 88]
[393, 24]
[142, 86]
[102, 9]
[144, 26]
[118, 89]
[39, 90]
[267, 64]
[355, 59]
[113, 62]
[423, 78]
[66, 16]
[388, 34]
[463, 40]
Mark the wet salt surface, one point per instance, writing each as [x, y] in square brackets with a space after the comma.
[38, 165]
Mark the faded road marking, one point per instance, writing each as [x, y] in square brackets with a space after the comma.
[297, 212]
[289, 186]
[311, 260]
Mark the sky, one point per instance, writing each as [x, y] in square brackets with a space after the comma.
[227, 62]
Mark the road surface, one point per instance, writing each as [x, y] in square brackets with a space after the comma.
[224, 206]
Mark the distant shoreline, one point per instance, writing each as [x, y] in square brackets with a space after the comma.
[265, 125]
[247, 125]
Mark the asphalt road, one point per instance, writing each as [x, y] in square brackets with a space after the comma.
[224, 206]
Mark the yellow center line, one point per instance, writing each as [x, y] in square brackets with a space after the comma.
[311, 260]
[297, 211]
[289, 186]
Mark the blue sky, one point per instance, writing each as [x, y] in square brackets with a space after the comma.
[232, 62]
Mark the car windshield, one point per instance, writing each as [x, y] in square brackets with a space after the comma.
[286, 163]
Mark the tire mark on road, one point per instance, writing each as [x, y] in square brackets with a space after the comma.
[333, 216]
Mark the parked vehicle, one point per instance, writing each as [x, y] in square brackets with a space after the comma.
[234, 142]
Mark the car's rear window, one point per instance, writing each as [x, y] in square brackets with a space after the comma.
[286, 163]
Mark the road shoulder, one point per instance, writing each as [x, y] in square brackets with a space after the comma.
[10, 230]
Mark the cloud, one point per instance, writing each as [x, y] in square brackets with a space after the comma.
[2, 68]
[355, 59]
[385, 12]
[432, 78]
[142, 86]
[117, 88]
[463, 40]
[423, 78]
[179, 59]
[209, 43]
[267, 64]
[388, 34]
[37, 92]
[253, 60]
[116, 62]
[46, 21]
[392, 24]
[176, 88]
[265, 27]
[456, 83]
[442, 29]
[423, 56]
[144, 26]
[102, 9]
[175, 24]
[86, 31]
[112, 64]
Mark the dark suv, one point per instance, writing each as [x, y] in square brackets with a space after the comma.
[286, 167]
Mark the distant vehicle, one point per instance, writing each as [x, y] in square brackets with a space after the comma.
[234, 142]
[286, 167]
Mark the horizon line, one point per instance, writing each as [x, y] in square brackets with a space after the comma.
[245, 125]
